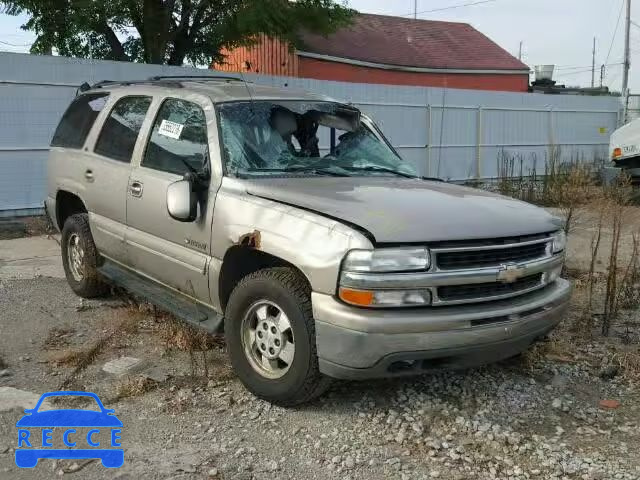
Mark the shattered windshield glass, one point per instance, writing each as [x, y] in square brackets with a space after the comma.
[294, 137]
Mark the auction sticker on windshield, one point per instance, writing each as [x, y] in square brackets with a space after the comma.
[69, 433]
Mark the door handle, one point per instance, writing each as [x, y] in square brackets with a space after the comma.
[136, 189]
[88, 175]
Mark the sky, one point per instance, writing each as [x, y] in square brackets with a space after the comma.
[558, 32]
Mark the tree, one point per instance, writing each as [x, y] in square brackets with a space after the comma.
[170, 31]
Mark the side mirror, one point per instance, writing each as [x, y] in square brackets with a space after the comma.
[182, 203]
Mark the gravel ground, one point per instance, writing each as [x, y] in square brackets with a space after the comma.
[533, 417]
[564, 410]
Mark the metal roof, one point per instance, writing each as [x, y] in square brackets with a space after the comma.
[405, 42]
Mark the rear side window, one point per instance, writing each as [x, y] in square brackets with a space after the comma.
[120, 130]
[178, 141]
[77, 121]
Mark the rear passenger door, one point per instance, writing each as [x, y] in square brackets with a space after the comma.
[107, 171]
[171, 252]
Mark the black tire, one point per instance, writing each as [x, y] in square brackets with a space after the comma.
[290, 291]
[90, 284]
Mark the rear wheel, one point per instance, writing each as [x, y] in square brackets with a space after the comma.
[270, 334]
[80, 257]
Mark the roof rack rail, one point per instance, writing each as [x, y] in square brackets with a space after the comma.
[197, 78]
[173, 80]
[106, 83]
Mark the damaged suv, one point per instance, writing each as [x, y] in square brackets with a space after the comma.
[287, 220]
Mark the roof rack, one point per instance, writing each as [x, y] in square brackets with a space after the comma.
[106, 83]
[200, 78]
[173, 80]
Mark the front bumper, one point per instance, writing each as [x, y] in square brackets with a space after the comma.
[355, 343]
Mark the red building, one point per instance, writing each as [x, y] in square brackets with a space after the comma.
[390, 50]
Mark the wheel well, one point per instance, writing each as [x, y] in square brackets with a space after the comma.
[240, 261]
[67, 204]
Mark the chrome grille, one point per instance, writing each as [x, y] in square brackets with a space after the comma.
[463, 259]
[483, 291]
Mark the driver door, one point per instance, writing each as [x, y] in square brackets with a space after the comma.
[168, 251]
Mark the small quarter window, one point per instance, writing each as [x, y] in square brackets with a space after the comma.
[120, 130]
[178, 142]
[77, 121]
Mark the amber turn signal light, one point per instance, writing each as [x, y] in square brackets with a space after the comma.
[362, 298]
[617, 152]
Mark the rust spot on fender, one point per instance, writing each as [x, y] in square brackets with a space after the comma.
[251, 240]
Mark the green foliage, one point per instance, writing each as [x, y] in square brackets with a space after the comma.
[170, 31]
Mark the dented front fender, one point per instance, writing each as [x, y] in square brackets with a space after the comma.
[313, 243]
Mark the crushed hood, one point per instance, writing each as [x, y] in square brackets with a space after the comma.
[407, 210]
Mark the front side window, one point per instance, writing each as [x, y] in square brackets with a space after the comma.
[263, 138]
[178, 142]
[76, 123]
[120, 130]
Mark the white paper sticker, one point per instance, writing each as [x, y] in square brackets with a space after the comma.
[170, 129]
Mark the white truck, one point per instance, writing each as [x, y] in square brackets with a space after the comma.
[624, 149]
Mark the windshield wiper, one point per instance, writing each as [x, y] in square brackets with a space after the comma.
[395, 172]
[316, 170]
[380, 169]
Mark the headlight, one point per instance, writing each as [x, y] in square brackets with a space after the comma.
[387, 260]
[385, 298]
[559, 241]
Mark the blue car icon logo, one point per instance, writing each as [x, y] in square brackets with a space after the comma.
[35, 444]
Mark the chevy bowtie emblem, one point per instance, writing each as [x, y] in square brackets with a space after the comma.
[510, 273]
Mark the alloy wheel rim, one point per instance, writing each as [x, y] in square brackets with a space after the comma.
[267, 339]
[75, 256]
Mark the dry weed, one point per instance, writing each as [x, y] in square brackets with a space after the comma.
[58, 337]
[183, 337]
[630, 364]
[179, 336]
[134, 387]
[566, 185]
[81, 358]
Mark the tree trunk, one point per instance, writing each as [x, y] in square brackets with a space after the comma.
[181, 45]
[117, 50]
[156, 30]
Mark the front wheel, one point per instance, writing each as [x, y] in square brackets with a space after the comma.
[270, 334]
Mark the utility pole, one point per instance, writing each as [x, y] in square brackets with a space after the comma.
[520, 51]
[593, 64]
[602, 72]
[415, 9]
[627, 62]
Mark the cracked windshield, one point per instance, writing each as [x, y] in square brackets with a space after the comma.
[276, 138]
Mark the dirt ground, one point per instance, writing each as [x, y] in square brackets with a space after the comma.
[568, 409]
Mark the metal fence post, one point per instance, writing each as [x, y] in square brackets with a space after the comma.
[479, 145]
[429, 124]
[551, 135]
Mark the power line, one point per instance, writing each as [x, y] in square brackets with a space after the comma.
[460, 5]
[566, 74]
[613, 39]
